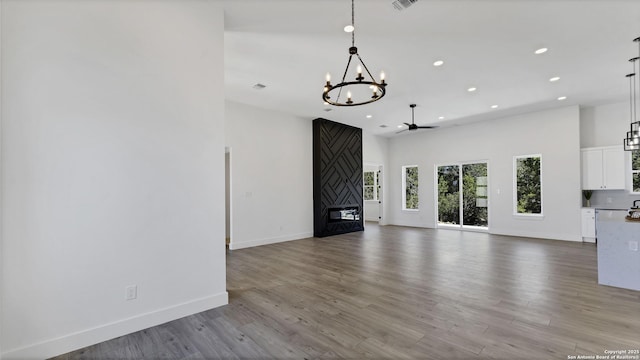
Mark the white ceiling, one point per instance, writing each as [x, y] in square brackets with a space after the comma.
[289, 46]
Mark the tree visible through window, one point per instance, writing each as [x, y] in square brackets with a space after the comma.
[528, 185]
[371, 185]
[635, 170]
[410, 186]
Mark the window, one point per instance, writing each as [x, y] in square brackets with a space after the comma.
[527, 185]
[463, 194]
[410, 187]
[635, 171]
[371, 185]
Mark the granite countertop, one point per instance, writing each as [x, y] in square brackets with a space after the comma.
[614, 215]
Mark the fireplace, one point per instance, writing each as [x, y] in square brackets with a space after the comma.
[343, 214]
[337, 178]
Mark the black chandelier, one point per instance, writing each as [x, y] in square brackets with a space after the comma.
[356, 89]
[632, 140]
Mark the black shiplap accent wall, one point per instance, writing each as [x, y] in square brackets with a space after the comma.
[337, 175]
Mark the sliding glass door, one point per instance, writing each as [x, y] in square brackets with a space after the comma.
[463, 196]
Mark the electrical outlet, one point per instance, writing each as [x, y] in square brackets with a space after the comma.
[633, 245]
[131, 292]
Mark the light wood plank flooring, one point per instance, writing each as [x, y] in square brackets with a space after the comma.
[401, 293]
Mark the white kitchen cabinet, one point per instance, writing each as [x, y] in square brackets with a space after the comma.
[588, 225]
[603, 168]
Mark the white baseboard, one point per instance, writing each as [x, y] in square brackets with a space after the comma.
[84, 338]
[235, 245]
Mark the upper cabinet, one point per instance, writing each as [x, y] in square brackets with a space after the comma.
[603, 168]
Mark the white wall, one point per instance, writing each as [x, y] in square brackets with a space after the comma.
[604, 125]
[272, 175]
[112, 169]
[375, 151]
[607, 125]
[1, 187]
[555, 134]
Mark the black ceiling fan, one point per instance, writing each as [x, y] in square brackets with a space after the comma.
[413, 125]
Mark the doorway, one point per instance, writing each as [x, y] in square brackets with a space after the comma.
[463, 196]
[372, 189]
[227, 195]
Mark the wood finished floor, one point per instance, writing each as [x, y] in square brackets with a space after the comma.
[401, 293]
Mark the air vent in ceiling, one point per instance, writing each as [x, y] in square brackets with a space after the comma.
[403, 4]
[259, 86]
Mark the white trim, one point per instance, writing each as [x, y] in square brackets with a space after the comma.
[236, 245]
[84, 338]
[227, 150]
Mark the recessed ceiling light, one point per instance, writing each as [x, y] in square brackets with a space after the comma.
[349, 28]
[400, 126]
[562, 98]
[441, 118]
[541, 51]
[494, 106]
[471, 89]
[369, 116]
[438, 63]
[554, 79]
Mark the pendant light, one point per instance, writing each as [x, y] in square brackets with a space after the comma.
[632, 141]
[363, 90]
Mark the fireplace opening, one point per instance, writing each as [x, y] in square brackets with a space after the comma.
[344, 214]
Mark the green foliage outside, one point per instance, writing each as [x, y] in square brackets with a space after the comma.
[411, 188]
[448, 195]
[474, 199]
[475, 210]
[636, 170]
[528, 184]
[369, 186]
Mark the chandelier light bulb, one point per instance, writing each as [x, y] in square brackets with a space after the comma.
[328, 77]
[382, 76]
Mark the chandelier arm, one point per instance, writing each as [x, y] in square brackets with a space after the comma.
[344, 76]
[366, 68]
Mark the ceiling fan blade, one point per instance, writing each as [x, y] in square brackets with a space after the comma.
[427, 127]
[401, 131]
[407, 124]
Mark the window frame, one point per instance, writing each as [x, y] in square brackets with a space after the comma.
[404, 188]
[374, 186]
[515, 188]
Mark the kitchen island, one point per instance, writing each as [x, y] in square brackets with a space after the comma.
[618, 255]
